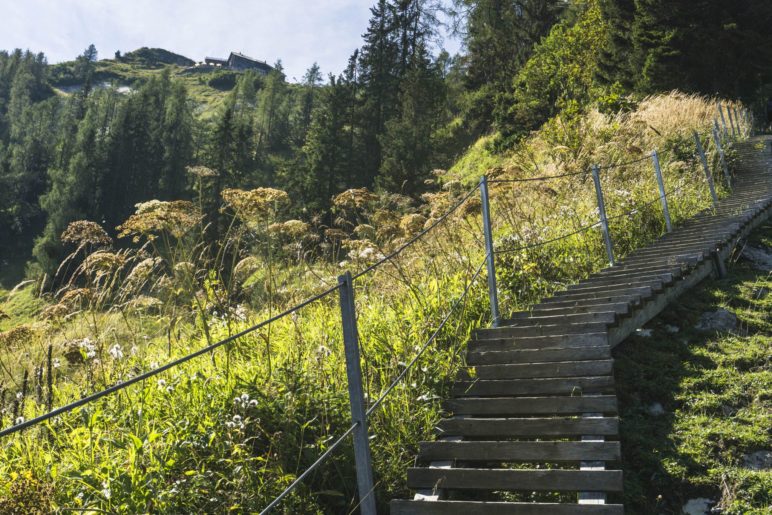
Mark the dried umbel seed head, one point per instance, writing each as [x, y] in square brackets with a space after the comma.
[253, 205]
[176, 217]
[55, 312]
[84, 232]
[103, 261]
[412, 224]
[201, 171]
[356, 198]
[17, 336]
[245, 268]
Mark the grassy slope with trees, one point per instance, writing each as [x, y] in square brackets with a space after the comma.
[229, 431]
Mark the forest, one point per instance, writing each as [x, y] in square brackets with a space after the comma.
[398, 111]
[147, 212]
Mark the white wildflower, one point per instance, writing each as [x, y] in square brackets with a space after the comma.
[56, 363]
[19, 420]
[116, 352]
[161, 383]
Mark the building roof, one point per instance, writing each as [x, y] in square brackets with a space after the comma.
[239, 54]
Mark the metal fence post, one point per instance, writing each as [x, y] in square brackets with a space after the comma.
[491, 259]
[737, 122]
[731, 121]
[363, 462]
[662, 194]
[723, 120]
[709, 176]
[722, 157]
[602, 213]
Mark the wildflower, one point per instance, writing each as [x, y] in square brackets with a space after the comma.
[102, 261]
[56, 363]
[116, 352]
[161, 383]
[354, 198]
[84, 232]
[134, 350]
[19, 420]
[175, 217]
[106, 490]
[412, 224]
[201, 171]
[19, 395]
[255, 204]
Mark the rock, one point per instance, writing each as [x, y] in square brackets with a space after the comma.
[699, 506]
[643, 333]
[671, 329]
[719, 320]
[760, 258]
[655, 409]
[759, 460]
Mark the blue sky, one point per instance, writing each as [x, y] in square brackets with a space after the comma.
[298, 32]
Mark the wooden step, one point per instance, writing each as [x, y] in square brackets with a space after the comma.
[533, 387]
[556, 341]
[528, 427]
[609, 295]
[544, 452]
[657, 284]
[604, 317]
[516, 480]
[497, 357]
[508, 406]
[528, 328]
[542, 370]
[402, 507]
[599, 282]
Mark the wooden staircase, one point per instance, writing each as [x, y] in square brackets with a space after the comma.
[535, 412]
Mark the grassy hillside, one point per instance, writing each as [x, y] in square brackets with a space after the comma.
[715, 394]
[230, 430]
[206, 87]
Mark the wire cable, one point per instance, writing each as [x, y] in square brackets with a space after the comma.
[626, 163]
[150, 373]
[310, 469]
[429, 341]
[542, 243]
[417, 236]
[541, 178]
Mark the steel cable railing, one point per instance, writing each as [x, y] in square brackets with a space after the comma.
[150, 373]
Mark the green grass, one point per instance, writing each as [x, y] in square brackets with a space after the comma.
[716, 390]
[20, 306]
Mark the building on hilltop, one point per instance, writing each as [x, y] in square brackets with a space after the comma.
[240, 62]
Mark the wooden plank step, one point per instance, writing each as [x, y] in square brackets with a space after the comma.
[507, 406]
[532, 387]
[612, 280]
[536, 370]
[621, 303]
[632, 292]
[656, 284]
[604, 317]
[545, 452]
[503, 357]
[554, 341]
[619, 309]
[516, 480]
[526, 328]
[404, 507]
[485, 427]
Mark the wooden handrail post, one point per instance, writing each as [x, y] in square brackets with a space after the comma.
[722, 157]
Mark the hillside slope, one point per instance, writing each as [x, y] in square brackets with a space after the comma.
[696, 404]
